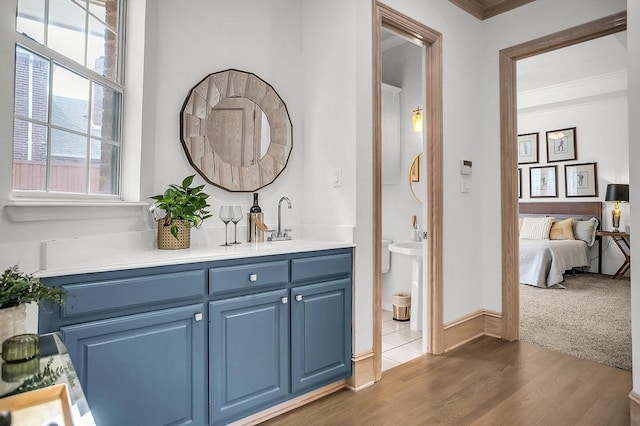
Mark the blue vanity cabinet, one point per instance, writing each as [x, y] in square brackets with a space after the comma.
[143, 369]
[206, 343]
[249, 354]
[137, 339]
[276, 344]
[320, 319]
[320, 334]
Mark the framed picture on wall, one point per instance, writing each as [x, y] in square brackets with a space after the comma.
[519, 183]
[543, 182]
[528, 148]
[561, 145]
[581, 180]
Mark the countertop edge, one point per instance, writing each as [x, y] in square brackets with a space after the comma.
[147, 258]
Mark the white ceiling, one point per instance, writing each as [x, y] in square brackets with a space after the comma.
[603, 55]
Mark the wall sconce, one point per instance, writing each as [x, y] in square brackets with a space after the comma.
[617, 193]
[417, 119]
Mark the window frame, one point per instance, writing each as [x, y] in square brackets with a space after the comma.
[57, 59]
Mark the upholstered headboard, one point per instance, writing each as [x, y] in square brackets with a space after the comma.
[563, 210]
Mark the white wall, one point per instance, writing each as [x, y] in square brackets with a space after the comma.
[633, 46]
[601, 137]
[533, 20]
[177, 46]
[402, 67]
[331, 91]
[196, 38]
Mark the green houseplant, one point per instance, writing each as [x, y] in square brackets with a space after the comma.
[16, 290]
[183, 207]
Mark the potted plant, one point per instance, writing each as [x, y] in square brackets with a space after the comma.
[16, 290]
[182, 207]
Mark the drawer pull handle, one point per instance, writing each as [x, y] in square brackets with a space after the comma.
[285, 300]
[253, 278]
[298, 298]
[198, 316]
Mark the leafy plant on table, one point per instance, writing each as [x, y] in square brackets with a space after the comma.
[17, 288]
[183, 202]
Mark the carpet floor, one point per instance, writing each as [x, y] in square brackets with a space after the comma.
[590, 319]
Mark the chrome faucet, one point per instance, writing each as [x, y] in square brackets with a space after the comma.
[280, 234]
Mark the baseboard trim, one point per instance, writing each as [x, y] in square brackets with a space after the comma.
[493, 323]
[480, 323]
[363, 372]
[634, 408]
[272, 412]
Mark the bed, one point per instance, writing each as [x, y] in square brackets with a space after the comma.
[572, 228]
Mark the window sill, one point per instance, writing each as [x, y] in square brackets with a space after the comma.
[41, 210]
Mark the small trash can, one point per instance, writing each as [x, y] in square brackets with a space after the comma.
[401, 306]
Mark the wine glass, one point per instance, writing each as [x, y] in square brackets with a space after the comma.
[237, 217]
[225, 215]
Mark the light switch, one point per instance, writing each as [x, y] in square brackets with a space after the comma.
[337, 177]
[465, 176]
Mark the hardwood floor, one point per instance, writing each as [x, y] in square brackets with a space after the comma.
[485, 382]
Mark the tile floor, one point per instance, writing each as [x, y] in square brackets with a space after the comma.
[399, 343]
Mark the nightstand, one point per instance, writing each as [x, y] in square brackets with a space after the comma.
[622, 241]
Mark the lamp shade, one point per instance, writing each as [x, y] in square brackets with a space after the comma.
[617, 192]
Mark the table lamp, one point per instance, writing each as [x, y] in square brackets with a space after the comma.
[617, 193]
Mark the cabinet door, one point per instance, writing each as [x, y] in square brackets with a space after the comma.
[320, 334]
[249, 354]
[145, 369]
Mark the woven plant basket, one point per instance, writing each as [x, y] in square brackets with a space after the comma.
[166, 241]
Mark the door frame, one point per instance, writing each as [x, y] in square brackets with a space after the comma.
[508, 156]
[384, 16]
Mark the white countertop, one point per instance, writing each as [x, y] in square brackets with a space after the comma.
[150, 257]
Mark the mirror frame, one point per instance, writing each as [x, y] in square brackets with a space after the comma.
[414, 175]
[194, 125]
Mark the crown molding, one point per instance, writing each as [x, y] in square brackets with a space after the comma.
[484, 9]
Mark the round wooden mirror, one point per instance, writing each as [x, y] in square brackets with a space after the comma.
[236, 131]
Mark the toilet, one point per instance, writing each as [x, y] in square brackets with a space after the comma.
[386, 256]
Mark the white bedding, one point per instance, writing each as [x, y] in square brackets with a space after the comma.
[542, 262]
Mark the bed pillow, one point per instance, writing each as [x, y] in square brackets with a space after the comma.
[562, 230]
[585, 230]
[536, 228]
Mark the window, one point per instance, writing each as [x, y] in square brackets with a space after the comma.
[68, 97]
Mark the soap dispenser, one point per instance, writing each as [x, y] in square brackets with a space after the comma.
[415, 233]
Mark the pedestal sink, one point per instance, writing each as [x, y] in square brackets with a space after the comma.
[414, 250]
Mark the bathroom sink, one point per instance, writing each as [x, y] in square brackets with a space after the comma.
[409, 248]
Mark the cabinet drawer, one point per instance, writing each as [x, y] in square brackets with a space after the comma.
[311, 268]
[94, 297]
[241, 277]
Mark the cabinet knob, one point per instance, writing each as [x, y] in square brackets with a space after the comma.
[198, 316]
[285, 300]
[298, 298]
[253, 278]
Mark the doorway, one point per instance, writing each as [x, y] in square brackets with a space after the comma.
[403, 190]
[432, 256]
[508, 156]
